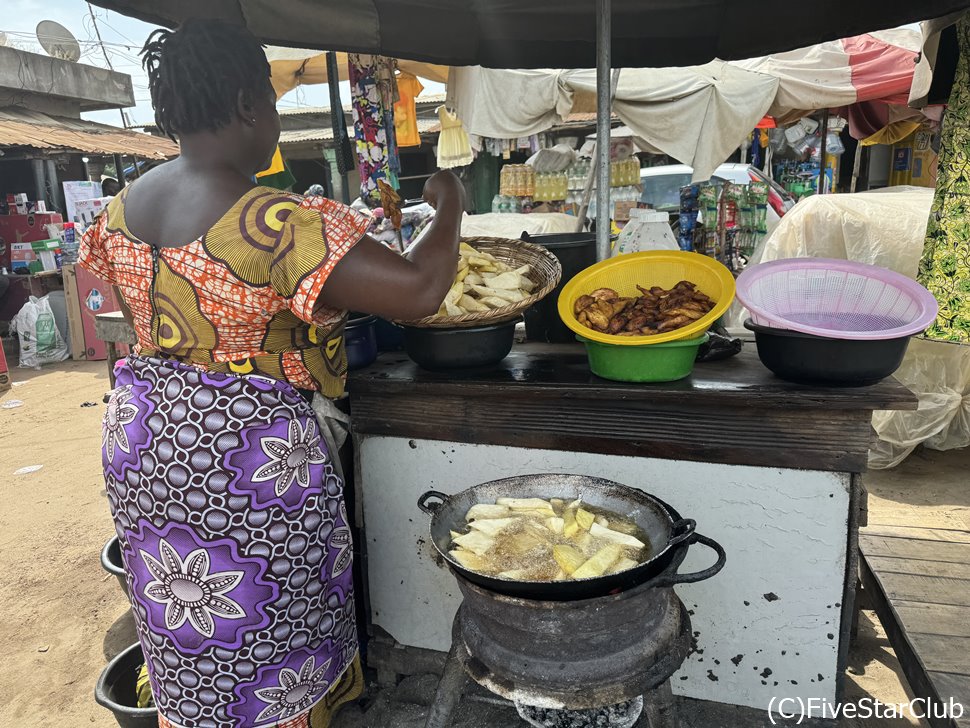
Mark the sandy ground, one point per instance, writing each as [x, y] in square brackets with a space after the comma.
[59, 605]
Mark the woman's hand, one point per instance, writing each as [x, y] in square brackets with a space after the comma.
[444, 187]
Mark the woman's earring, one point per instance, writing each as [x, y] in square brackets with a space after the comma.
[252, 121]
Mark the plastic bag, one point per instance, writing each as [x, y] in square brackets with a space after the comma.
[40, 341]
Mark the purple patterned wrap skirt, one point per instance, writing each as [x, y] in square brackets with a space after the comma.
[235, 541]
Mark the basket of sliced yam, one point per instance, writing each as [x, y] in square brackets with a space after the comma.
[496, 280]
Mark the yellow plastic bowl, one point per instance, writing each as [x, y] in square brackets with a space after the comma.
[664, 268]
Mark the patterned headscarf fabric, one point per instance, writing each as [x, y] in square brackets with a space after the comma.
[242, 298]
[945, 266]
[235, 541]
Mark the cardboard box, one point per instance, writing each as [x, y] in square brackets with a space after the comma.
[34, 207]
[86, 296]
[21, 256]
[23, 229]
[86, 210]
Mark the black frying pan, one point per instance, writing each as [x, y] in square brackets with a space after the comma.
[669, 534]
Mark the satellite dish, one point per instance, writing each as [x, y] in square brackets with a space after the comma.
[58, 41]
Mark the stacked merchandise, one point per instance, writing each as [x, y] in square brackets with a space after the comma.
[797, 156]
[725, 222]
[29, 236]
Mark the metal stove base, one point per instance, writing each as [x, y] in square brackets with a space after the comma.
[460, 668]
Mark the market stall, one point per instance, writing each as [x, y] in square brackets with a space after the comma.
[767, 468]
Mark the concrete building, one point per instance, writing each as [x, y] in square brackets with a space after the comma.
[44, 140]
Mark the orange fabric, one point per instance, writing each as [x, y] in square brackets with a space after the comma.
[242, 297]
[405, 111]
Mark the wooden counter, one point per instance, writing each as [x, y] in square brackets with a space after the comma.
[767, 468]
[543, 396]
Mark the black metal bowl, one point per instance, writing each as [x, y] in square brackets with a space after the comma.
[668, 533]
[809, 359]
[442, 349]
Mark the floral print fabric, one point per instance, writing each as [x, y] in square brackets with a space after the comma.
[242, 298]
[945, 266]
[372, 101]
[235, 540]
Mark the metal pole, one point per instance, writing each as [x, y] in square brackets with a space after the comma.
[593, 172]
[603, 63]
[120, 171]
[340, 142]
[821, 152]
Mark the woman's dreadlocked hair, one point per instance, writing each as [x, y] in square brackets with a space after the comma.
[195, 74]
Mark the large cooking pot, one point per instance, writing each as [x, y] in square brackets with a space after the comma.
[668, 533]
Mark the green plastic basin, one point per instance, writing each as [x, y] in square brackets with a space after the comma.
[666, 362]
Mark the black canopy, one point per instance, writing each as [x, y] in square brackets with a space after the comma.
[547, 33]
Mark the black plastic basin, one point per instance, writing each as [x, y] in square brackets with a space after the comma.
[116, 690]
[811, 359]
[441, 349]
[112, 563]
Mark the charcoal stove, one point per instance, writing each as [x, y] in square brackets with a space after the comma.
[602, 660]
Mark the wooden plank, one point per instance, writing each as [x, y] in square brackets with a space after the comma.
[902, 620]
[938, 619]
[958, 688]
[943, 654]
[908, 548]
[730, 435]
[929, 590]
[563, 370]
[892, 565]
[950, 535]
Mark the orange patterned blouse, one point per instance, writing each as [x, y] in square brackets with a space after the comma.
[241, 298]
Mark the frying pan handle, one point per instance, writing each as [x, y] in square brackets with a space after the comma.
[672, 579]
[425, 504]
[682, 530]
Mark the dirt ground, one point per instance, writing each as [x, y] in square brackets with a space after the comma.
[63, 614]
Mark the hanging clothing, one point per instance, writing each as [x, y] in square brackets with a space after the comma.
[945, 266]
[405, 111]
[454, 148]
[242, 298]
[373, 111]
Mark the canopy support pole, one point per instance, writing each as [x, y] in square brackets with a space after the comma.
[821, 151]
[120, 171]
[603, 114]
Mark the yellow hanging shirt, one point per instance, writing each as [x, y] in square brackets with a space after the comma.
[405, 113]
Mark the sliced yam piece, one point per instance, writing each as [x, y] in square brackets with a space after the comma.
[523, 270]
[623, 526]
[555, 524]
[570, 528]
[558, 504]
[568, 557]
[508, 281]
[622, 539]
[602, 521]
[599, 563]
[623, 564]
[472, 305]
[584, 518]
[514, 575]
[491, 526]
[495, 302]
[486, 510]
[452, 309]
[469, 559]
[476, 542]
[526, 285]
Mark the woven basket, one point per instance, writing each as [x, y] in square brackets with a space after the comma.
[545, 271]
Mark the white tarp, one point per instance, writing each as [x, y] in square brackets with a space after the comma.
[887, 228]
[697, 115]
[700, 114]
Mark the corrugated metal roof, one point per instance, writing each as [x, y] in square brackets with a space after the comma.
[321, 134]
[25, 128]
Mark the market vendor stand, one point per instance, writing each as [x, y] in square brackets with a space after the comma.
[770, 469]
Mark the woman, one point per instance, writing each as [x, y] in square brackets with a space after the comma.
[224, 491]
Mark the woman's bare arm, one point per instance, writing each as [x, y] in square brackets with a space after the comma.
[373, 279]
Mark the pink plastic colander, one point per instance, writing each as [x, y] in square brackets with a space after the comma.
[839, 299]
